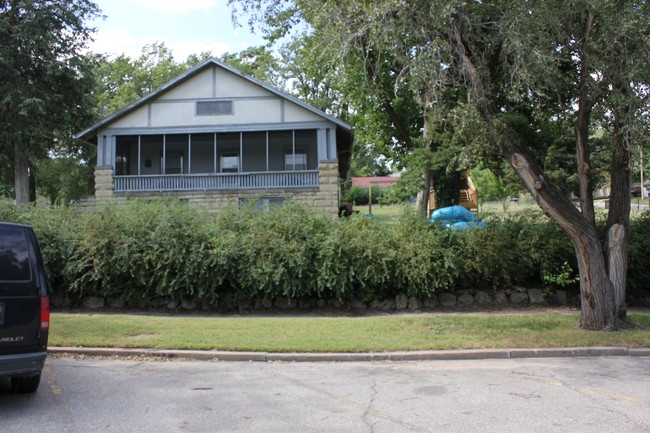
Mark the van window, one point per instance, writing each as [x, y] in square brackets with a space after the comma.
[14, 256]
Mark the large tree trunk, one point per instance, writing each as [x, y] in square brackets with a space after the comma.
[21, 175]
[617, 243]
[597, 296]
[618, 219]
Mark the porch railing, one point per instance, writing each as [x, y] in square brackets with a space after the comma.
[216, 182]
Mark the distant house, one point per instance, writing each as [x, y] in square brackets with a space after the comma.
[379, 181]
[215, 136]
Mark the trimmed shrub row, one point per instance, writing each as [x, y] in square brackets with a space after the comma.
[150, 252]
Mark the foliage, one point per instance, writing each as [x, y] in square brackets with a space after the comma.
[8, 210]
[258, 62]
[639, 258]
[57, 230]
[44, 82]
[492, 187]
[358, 195]
[447, 186]
[63, 180]
[394, 115]
[540, 78]
[565, 276]
[150, 253]
[122, 80]
[143, 252]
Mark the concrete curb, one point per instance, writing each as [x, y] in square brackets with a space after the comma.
[428, 355]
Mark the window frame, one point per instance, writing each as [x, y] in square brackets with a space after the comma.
[227, 103]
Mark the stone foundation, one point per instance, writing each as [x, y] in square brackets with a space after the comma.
[324, 199]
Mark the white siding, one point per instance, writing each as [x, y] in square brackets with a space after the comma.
[257, 111]
[172, 114]
[244, 112]
[230, 85]
[294, 113]
[199, 86]
[138, 119]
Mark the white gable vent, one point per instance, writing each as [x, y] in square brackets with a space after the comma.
[213, 108]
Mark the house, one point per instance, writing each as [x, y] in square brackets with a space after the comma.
[215, 136]
[378, 181]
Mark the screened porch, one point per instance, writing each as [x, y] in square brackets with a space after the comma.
[216, 161]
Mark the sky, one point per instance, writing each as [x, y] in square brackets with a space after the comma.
[185, 26]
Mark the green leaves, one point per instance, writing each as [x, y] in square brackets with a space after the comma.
[150, 253]
[44, 79]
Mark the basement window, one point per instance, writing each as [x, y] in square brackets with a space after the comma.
[261, 204]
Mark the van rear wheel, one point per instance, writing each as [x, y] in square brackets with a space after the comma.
[21, 385]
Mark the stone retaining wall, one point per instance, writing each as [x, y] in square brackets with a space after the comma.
[517, 296]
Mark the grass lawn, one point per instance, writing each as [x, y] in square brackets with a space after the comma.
[382, 212]
[391, 213]
[337, 334]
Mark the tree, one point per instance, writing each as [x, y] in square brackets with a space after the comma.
[392, 112]
[67, 175]
[122, 80]
[549, 57]
[44, 80]
[258, 62]
[522, 65]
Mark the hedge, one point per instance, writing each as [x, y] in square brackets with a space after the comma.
[152, 252]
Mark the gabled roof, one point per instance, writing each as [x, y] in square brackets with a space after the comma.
[91, 132]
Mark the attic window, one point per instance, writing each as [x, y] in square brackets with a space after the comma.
[213, 108]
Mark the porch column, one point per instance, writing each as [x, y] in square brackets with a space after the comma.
[331, 145]
[163, 169]
[139, 153]
[321, 140]
[267, 150]
[241, 151]
[189, 154]
[112, 148]
[293, 150]
[104, 183]
[101, 150]
[215, 152]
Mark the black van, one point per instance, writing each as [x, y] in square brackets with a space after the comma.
[24, 308]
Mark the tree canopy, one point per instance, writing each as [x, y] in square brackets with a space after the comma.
[45, 81]
[534, 76]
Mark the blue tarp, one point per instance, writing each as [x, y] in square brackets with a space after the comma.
[456, 218]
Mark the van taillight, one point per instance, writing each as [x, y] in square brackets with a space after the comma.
[45, 313]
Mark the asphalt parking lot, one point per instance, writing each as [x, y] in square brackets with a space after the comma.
[586, 394]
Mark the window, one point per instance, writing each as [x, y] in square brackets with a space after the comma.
[229, 162]
[14, 258]
[213, 108]
[295, 161]
[261, 204]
